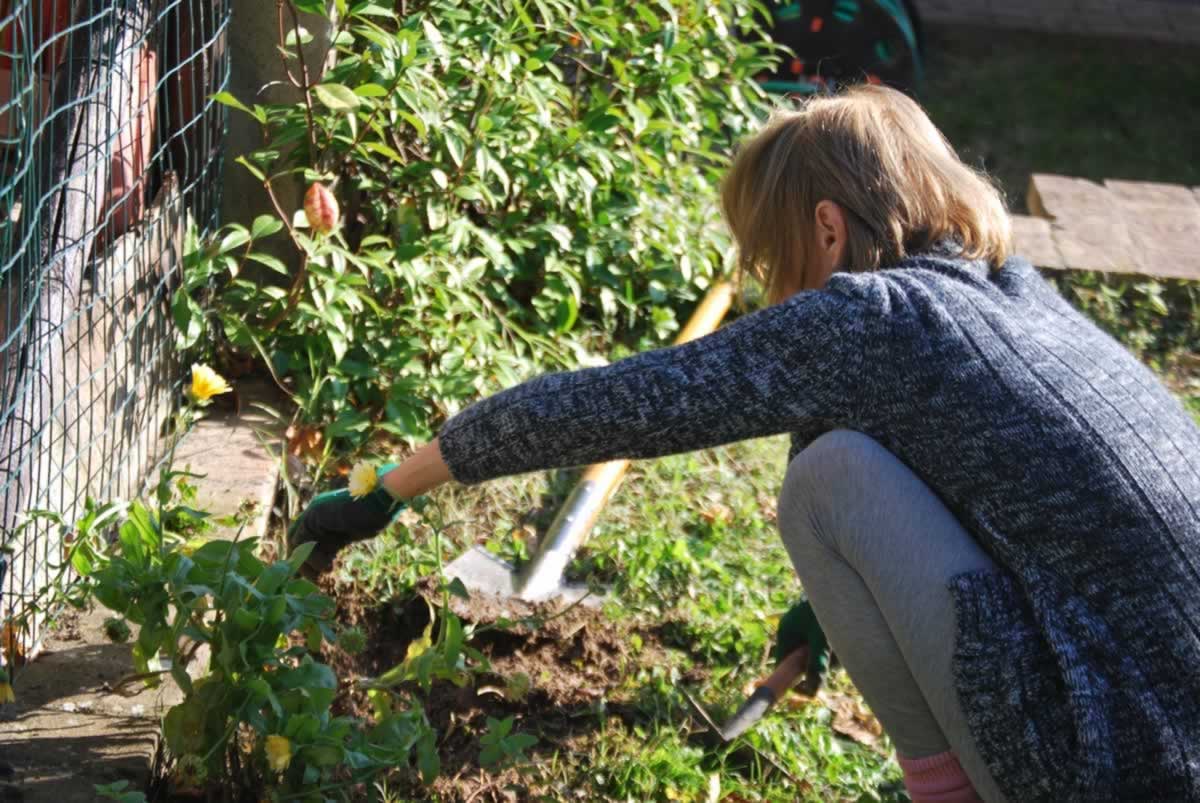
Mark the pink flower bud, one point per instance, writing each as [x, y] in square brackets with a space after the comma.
[321, 209]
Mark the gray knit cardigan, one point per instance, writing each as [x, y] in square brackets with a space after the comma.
[1078, 662]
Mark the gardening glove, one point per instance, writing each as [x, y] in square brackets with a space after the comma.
[799, 628]
[336, 519]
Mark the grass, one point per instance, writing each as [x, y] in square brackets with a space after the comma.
[1019, 103]
[689, 542]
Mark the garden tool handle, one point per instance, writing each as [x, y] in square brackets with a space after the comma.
[708, 314]
[578, 515]
[785, 675]
[767, 694]
[704, 320]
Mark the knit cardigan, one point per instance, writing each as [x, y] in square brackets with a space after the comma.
[1077, 661]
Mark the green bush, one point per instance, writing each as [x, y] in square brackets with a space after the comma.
[523, 186]
[1158, 320]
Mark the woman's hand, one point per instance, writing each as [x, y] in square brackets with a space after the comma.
[799, 628]
[336, 519]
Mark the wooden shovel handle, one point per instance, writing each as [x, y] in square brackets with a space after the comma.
[787, 673]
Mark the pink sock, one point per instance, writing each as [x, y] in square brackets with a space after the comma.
[937, 779]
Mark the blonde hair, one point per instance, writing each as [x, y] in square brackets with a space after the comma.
[874, 152]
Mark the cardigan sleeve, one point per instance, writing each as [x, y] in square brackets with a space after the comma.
[769, 372]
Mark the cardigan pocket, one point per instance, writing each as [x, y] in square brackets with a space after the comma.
[1011, 690]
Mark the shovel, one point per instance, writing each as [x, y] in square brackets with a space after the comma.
[541, 579]
[757, 704]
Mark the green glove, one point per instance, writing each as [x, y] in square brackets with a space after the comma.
[336, 519]
[798, 628]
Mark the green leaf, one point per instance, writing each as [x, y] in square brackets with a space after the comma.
[227, 99]
[336, 97]
[338, 342]
[566, 314]
[323, 755]
[428, 761]
[265, 226]
[370, 91]
[236, 238]
[188, 318]
[454, 147]
[299, 555]
[269, 261]
[254, 171]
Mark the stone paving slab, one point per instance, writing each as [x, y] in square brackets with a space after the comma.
[238, 454]
[1032, 239]
[67, 730]
[1119, 226]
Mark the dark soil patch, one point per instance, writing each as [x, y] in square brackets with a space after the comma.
[560, 674]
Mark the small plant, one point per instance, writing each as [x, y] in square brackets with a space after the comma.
[501, 745]
[257, 714]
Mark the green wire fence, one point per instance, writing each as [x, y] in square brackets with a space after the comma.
[109, 149]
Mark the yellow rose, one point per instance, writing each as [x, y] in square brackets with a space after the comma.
[279, 752]
[207, 383]
[363, 479]
[6, 693]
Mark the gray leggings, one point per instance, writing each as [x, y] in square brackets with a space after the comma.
[875, 550]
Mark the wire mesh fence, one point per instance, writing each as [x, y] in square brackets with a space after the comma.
[109, 150]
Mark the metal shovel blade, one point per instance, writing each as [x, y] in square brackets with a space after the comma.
[746, 717]
[757, 704]
[482, 572]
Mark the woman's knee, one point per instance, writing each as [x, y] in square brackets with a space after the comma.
[825, 476]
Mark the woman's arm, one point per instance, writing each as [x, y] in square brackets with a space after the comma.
[423, 471]
[772, 371]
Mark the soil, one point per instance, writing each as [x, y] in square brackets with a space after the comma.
[569, 667]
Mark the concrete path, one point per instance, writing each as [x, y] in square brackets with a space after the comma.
[1125, 227]
[1161, 20]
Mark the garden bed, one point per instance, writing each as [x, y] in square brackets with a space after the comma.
[557, 679]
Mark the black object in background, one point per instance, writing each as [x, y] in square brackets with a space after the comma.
[835, 42]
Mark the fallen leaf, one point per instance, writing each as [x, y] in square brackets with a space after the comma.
[717, 511]
[13, 645]
[304, 442]
[853, 720]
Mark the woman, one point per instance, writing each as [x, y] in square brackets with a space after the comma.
[991, 504]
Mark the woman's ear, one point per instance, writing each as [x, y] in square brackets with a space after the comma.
[830, 235]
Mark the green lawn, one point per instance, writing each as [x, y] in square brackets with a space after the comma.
[1020, 103]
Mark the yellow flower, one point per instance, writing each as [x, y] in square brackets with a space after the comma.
[6, 693]
[207, 383]
[279, 752]
[362, 479]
